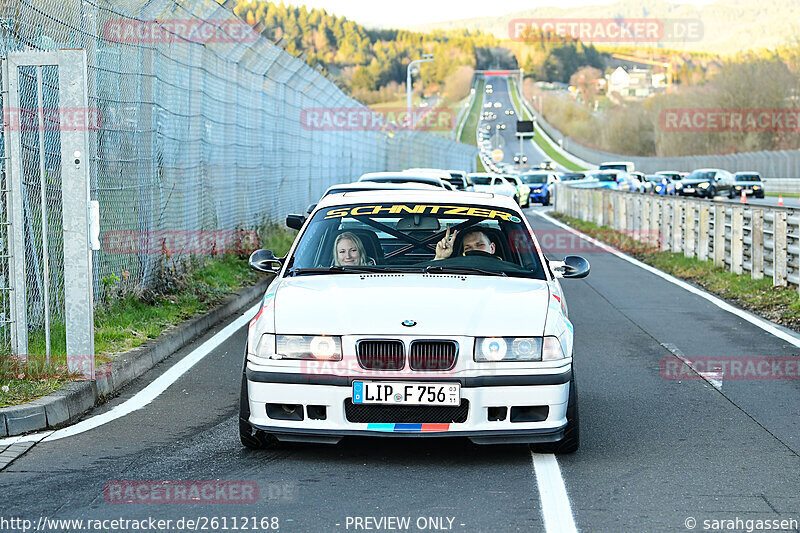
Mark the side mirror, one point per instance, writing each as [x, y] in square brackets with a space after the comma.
[265, 261]
[573, 266]
[295, 221]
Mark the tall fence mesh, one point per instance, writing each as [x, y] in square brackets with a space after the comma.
[198, 129]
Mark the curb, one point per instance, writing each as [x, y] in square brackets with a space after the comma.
[70, 402]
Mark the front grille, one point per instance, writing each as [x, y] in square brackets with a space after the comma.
[406, 414]
[433, 355]
[381, 354]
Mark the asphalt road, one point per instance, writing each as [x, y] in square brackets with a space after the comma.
[510, 142]
[655, 452]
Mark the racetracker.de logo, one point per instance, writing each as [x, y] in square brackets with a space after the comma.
[717, 120]
[383, 119]
[777, 368]
[605, 30]
[200, 242]
[559, 241]
[178, 31]
[52, 118]
[182, 492]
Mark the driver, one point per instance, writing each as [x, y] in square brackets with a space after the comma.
[474, 239]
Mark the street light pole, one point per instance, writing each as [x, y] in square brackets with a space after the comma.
[426, 58]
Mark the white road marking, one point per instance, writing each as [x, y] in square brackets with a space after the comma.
[556, 510]
[714, 378]
[725, 306]
[150, 392]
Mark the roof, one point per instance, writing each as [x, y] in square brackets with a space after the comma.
[419, 196]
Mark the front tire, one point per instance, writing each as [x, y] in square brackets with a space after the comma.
[546, 200]
[571, 440]
[712, 192]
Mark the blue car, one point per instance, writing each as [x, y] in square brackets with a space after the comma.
[541, 185]
[662, 185]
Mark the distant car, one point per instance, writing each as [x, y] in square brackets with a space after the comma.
[617, 180]
[520, 159]
[523, 191]
[707, 183]
[572, 176]
[459, 180]
[547, 165]
[501, 126]
[401, 177]
[509, 111]
[626, 166]
[540, 184]
[640, 182]
[749, 182]
[661, 184]
[674, 176]
[494, 183]
[498, 104]
[487, 104]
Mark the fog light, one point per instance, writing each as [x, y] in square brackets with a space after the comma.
[285, 411]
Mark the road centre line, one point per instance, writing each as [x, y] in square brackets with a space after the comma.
[150, 392]
[725, 306]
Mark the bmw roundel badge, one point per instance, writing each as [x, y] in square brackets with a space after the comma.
[409, 323]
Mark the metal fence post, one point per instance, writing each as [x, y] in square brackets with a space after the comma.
[719, 235]
[757, 246]
[779, 267]
[702, 241]
[737, 235]
[688, 229]
[666, 226]
[677, 226]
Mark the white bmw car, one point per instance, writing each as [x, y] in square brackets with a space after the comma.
[412, 314]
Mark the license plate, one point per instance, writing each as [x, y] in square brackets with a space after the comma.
[688, 189]
[405, 393]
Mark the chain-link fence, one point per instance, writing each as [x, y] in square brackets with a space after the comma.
[194, 126]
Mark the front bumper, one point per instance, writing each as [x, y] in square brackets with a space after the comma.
[550, 391]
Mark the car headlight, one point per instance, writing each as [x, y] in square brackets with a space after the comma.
[756, 187]
[494, 349]
[704, 185]
[738, 187]
[315, 347]
[679, 185]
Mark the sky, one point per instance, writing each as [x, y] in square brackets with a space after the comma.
[412, 12]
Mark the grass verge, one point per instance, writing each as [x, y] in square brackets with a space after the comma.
[468, 134]
[132, 317]
[778, 304]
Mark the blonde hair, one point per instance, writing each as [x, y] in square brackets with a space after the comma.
[348, 235]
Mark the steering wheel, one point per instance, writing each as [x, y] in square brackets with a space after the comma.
[479, 253]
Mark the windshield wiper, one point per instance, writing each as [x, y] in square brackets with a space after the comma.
[335, 270]
[433, 269]
[361, 269]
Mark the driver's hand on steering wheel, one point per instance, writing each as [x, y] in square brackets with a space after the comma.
[444, 248]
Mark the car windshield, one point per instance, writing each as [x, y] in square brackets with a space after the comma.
[458, 183]
[700, 175]
[402, 237]
[748, 177]
[481, 180]
[604, 176]
[534, 178]
[572, 177]
[613, 167]
[657, 179]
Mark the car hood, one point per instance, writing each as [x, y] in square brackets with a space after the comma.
[440, 304]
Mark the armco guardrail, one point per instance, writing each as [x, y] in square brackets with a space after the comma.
[760, 240]
[780, 168]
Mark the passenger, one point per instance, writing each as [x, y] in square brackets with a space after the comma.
[348, 250]
[474, 239]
